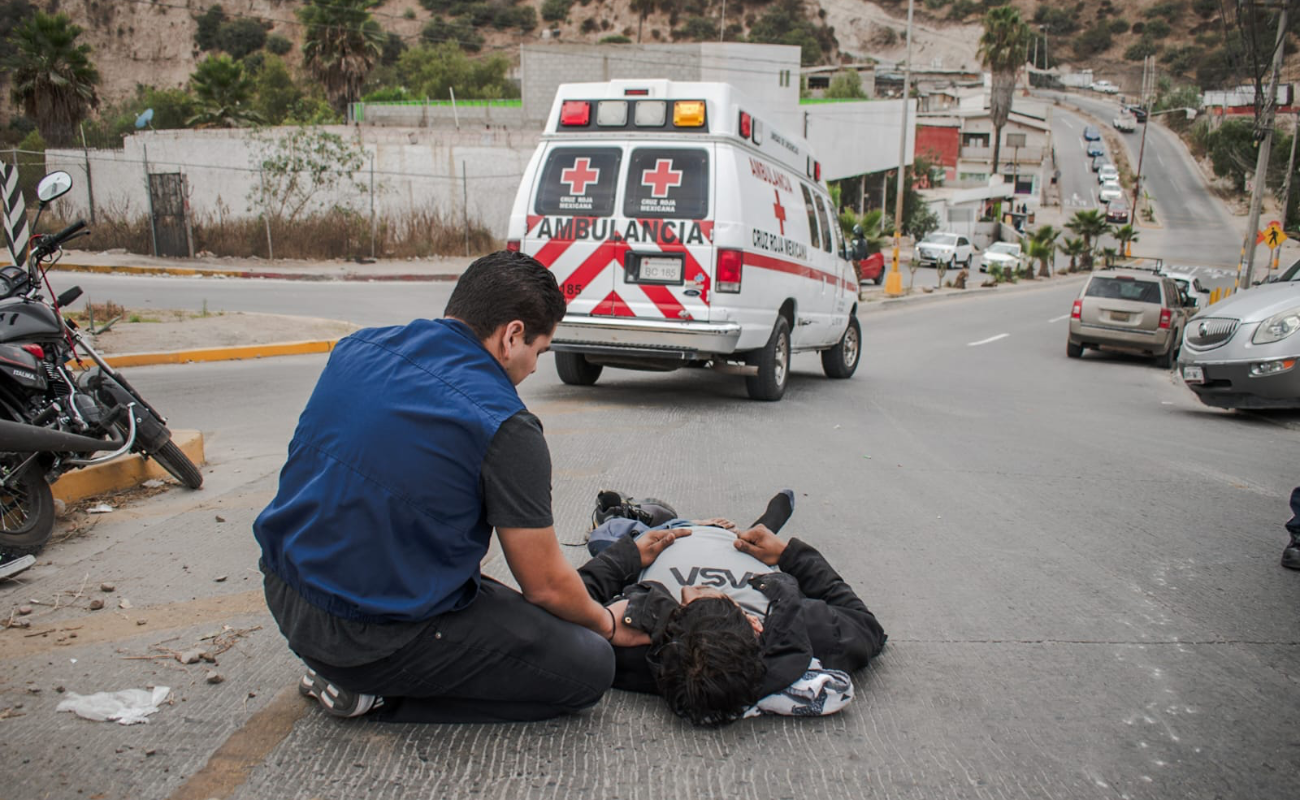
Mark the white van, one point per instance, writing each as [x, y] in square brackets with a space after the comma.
[685, 232]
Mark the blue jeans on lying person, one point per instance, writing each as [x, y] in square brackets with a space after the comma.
[611, 530]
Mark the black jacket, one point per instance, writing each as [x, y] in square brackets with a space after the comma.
[812, 613]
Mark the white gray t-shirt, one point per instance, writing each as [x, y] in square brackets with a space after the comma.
[708, 557]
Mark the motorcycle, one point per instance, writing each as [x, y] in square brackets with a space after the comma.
[54, 418]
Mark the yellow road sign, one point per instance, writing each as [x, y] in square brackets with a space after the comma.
[1273, 235]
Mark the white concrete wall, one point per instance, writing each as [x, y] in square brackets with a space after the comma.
[414, 169]
[858, 138]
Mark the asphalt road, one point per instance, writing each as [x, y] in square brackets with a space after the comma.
[1076, 564]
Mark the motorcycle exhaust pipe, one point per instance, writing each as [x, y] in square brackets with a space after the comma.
[18, 437]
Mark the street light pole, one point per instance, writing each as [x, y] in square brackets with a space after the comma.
[1246, 269]
[894, 280]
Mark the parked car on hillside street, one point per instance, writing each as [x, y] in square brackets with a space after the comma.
[1095, 149]
[1124, 122]
[1002, 254]
[950, 249]
[1117, 211]
[1244, 352]
[1109, 191]
[1091, 134]
[1107, 172]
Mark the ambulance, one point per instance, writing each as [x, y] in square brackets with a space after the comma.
[685, 231]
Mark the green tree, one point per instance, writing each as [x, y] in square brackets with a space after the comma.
[276, 96]
[430, 71]
[1126, 235]
[1074, 249]
[279, 45]
[557, 10]
[1089, 225]
[457, 31]
[1004, 48]
[51, 76]
[784, 23]
[223, 93]
[208, 25]
[241, 36]
[341, 42]
[300, 168]
[641, 8]
[846, 86]
[1041, 247]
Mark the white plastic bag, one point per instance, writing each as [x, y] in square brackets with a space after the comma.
[126, 707]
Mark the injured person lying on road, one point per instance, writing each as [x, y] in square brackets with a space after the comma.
[736, 623]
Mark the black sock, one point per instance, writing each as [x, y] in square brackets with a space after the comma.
[778, 512]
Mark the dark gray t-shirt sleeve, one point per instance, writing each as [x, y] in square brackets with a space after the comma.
[516, 475]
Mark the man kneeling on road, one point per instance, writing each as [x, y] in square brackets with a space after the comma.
[413, 447]
[763, 626]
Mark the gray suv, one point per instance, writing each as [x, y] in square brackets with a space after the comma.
[1132, 311]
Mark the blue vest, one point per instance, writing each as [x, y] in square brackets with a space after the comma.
[379, 516]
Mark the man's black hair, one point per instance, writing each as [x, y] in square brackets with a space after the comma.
[707, 662]
[504, 286]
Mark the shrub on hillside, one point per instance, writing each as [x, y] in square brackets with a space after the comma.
[522, 17]
[1181, 60]
[1093, 41]
[617, 38]
[1056, 21]
[1140, 49]
[784, 22]
[696, 29]
[1206, 8]
[961, 9]
[209, 22]
[278, 44]
[1157, 29]
[1119, 25]
[457, 31]
[1168, 10]
[555, 10]
[241, 36]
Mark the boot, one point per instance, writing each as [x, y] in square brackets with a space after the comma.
[1291, 555]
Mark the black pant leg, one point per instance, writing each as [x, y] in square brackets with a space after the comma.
[502, 659]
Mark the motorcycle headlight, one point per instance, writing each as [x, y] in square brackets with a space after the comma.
[1277, 327]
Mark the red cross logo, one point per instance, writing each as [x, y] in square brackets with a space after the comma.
[779, 211]
[579, 175]
[662, 178]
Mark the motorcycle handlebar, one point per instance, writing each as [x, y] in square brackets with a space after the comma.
[50, 243]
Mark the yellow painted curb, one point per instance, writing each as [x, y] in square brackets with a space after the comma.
[104, 269]
[123, 472]
[223, 353]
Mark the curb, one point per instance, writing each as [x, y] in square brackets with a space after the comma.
[237, 353]
[192, 272]
[886, 303]
[123, 472]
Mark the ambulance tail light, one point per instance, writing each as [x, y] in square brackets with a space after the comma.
[688, 114]
[512, 245]
[728, 272]
[746, 126]
[575, 113]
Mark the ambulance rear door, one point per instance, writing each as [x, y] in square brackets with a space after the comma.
[665, 220]
[572, 226]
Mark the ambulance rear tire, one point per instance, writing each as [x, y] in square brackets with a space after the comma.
[841, 361]
[773, 363]
[576, 370]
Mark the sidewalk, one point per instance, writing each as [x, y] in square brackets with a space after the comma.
[119, 262]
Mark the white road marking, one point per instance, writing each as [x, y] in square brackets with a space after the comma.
[986, 341]
[1058, 319]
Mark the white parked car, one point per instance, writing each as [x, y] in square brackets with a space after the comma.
[1109, 191]
[1107, 172]
[1124, 122]
[1002, 254]
[1105, 87]
[952, 250]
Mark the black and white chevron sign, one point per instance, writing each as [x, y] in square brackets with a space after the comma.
[15, 213]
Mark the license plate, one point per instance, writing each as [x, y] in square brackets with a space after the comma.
[1193, 375]
[1119, 316]
[660, 270]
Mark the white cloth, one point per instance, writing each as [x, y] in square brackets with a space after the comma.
[126, 707]
[819, 693]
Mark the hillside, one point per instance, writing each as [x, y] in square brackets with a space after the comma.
[153, 42]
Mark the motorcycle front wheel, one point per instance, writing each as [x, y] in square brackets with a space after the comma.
[26, 511]
[170, 457]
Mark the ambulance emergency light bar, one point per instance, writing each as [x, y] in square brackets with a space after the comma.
[688, 115]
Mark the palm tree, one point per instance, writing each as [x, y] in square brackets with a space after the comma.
[1042, 247]
[642, 9]
[52, 77]
[1089, 224]
[1108, 256]
[1074, 248]
[1004, 48]
[1126, 236]
[223, 93]
[341, 42]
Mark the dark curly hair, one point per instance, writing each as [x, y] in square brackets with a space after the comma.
[707, 662]
[505, 286]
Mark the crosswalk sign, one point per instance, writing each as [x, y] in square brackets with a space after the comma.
[1273, 235]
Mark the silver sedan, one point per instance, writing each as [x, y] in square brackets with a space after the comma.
[1244, 352]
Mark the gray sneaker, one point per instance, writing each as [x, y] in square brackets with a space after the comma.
[335, 700]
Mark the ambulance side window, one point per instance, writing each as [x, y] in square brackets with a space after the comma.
[826, 228]
[667, 182]
[812, 216]
[579, 182]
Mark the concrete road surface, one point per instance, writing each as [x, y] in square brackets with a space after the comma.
[1076, 564]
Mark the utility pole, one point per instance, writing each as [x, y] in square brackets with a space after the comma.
[1290, 170]
[1246, 269]
[894, 280]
